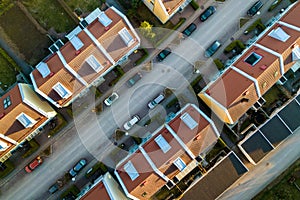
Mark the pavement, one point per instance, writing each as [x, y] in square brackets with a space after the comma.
[89, 136]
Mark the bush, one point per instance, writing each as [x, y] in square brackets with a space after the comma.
[9, 167]
[33, 148]
[196, 80]
[144, 56]
[172, 102]
[219, 64]
[61, 123]
[257, 24]
[99, 166]
[73, 190]
[194, 5]
[137, 140]
[274, 5]
[233, 45]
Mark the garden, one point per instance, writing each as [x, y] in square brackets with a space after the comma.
[83, 6]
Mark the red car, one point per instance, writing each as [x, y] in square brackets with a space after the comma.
[34, 164]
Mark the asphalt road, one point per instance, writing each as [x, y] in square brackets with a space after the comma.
[89, 136]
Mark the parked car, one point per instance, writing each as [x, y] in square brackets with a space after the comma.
[135, 78]
[156, 101]
[190, 29]
[255, 8]
[77, 168]
[211, 50]
[128, 125]
[163, 54]
[53, 188]
[207, 13]
[111, 99]
[33, 164]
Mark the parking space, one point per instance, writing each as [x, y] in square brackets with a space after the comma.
[275, 131]
[257, 146]
[290, 115]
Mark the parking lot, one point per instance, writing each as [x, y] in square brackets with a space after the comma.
[273, 132]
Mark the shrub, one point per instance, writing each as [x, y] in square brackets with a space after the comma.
[33, 148]
[144, 56]
[61, 123]
[194, 5]
[233, 45]
[73, 190]
[137, 140]
[99, 166]
[172, 102]
[274, 5]
[257, 24]
[219, 64]
[8, 168]
[196, 80]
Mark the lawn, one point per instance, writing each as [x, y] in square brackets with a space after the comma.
[8, 72]
[83, 6]
[272, 95]
[50, 14]
[34, 46]
[9, 167]
[281, 187]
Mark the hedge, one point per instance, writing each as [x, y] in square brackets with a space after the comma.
[73, 189]
[194, 5]
[219, 64]
[274, 5]
[98, 166]
[34, 146]
[257, 23]
[232, 45]
[144, 56]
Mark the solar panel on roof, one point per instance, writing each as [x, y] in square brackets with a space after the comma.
[43, 69]
[279, 34]
[94, 63]
[126, 36]
[131, 171]
[76, 42]
[179, 163]
[162, 143]
[104, 19]
[189, 121]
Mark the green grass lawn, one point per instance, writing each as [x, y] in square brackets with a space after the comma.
[280, 188]
[83, 5]
[50, 14]
[272, 95]
[8, 73]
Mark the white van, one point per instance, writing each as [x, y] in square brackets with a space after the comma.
[156, 101]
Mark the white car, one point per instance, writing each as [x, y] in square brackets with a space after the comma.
[128, 125]
[111, 99]
[156, 101]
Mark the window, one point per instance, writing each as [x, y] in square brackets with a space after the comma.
[6, 102]
[62, 91]
[131, 171]
[25, 120]
[189, 121]
[162, 143]
[126, 37]
[75, 41]
[253, 58]
[94, 63]
[179, 163]
[43, 69]
[104, 19]
[279, 34]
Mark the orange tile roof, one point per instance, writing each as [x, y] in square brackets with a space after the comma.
[172, 5]
[292, 16]
[96, 192]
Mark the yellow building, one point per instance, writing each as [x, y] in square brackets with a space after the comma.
[165, 9]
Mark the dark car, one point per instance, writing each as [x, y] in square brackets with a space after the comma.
[190, 29]
[255, 8]
[211, 50]
[207, 13]
[54, 188]
[78, 167]
[135, 78]
[163, 54]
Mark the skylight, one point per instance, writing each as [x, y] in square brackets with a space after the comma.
[126, 36]
[253, 58]
[25, 120]
[6, 102]
[75, 41]
[131, 171]
[62, 91]
[104, 19]
[279, 34]
[3, 145]
[189, 121]
[162, 143]
[93, 15]
[43, 69]
[296, 53]
[94, 63]
[179, 163]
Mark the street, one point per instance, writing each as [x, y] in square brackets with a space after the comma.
[89, 138]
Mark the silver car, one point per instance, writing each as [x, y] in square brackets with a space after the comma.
[111, 99]
[128, 125]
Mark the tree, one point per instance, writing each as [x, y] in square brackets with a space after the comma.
[146, 29]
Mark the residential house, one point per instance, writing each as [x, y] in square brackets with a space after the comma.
[172, 152]
[165, 9]
[22, 115]
[105, 188]
[263, 64]
[101, 41]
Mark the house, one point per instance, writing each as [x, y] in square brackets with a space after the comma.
[22, 115]
[262, 65]
[101, 41]
[171, 152]
[165, 9]
[105, 187]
